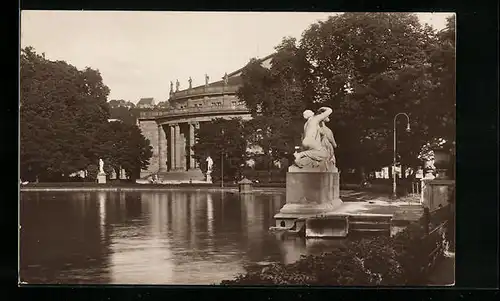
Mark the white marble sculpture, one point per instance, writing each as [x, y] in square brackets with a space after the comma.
[101, 166]
[210, 164]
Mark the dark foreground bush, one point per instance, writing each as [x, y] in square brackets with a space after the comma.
[404, 259]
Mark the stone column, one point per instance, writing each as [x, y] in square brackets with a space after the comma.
[197, 127]
[172, 147]
[192, 161]
[177, 146]
[182, 146]
[161, 144]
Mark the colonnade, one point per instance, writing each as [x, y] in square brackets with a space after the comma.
[175, 146]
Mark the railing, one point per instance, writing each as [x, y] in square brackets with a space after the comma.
[205, 90]
[192, 111]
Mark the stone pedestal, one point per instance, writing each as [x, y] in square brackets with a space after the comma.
[209, 178]
[437, 193]
[101, 178]
[309, 193]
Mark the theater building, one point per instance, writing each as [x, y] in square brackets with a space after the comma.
[171, 130]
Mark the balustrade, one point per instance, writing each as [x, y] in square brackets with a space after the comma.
[192, 110]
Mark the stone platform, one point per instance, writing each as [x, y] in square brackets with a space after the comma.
[101, 178]
[308, 193]
[367, 217]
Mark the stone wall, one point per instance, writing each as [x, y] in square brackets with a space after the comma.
[163, 148]
[149, 129]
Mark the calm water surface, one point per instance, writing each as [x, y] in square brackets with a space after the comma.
[173, 237]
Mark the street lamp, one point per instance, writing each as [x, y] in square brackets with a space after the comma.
[394, 195]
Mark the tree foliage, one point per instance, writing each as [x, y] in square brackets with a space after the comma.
[367, 67]
[124, 111]
[63, 118]
[275, 97]
[124, 146]
[225, 142]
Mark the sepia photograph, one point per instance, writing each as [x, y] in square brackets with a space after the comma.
[237, 148]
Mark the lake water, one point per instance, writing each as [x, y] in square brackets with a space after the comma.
[171, 237]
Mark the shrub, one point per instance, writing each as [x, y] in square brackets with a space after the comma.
[382, 261]
[92, 171]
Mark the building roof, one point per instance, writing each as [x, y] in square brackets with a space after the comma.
[259, 60]
[146, 101]
[234, 78]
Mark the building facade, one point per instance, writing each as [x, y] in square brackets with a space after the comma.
[171, 130]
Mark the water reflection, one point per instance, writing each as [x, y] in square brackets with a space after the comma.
[175, 237]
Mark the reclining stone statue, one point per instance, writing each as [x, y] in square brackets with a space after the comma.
[317, 142]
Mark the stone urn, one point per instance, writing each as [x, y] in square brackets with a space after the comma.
[441, 161]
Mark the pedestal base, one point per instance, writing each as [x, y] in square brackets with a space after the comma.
[209, 178]
[309, 193]
[101, 178]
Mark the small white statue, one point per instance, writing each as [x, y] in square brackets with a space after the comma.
[101, 166]
[210, 164]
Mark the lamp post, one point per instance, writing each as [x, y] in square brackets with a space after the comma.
[394, 195]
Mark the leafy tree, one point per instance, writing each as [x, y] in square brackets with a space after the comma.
[224, 141]
[368, 67]
[62, 111]
[92, 171]
[275, 98]
[123, 146]
[124, 114]
[64, 123]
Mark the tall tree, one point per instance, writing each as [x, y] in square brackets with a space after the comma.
[276, 99]
[62, 111]
[123, 146]
[368, 67]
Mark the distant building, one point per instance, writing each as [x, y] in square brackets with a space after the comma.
[384, 173]
[120, 103]
[171, 130]
[146, 103]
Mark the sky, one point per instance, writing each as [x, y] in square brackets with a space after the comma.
[139, 53]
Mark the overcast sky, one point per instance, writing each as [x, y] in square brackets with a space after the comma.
[139, 53]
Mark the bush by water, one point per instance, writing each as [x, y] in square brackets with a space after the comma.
[402, 260]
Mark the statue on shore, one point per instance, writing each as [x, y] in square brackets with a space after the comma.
[190, 80]
[328, 141]
[226, 79]
[101, 166]
[210, 164]
[171, 87]
[177, 85]
[314, 153]
[207, 78]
